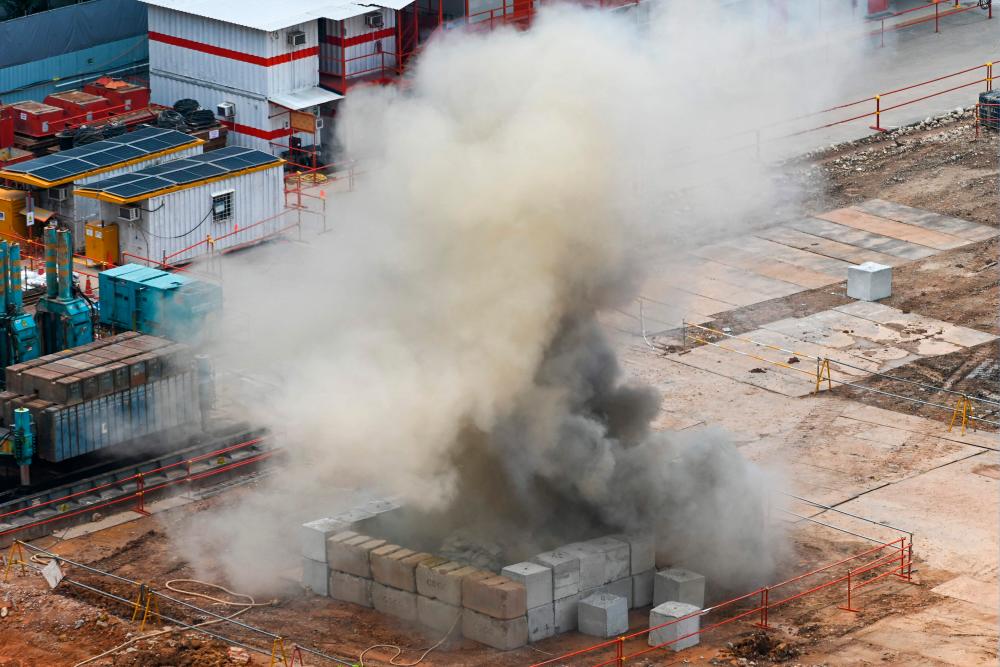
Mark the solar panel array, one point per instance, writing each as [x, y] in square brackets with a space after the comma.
[181, 172]
[73, 162]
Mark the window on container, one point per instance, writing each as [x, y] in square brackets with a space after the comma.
[222, 206]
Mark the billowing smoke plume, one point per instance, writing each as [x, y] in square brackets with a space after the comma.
[442, 342]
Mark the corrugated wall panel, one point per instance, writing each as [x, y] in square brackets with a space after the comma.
[369, 57]
[299, 73]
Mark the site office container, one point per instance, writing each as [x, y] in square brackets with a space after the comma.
[36, 119]
[354, 47]
[80, 107]
[122, 95]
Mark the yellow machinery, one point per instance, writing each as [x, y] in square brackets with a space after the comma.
[13, 225]
[101, 241]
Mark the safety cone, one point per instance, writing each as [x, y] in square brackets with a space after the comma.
[87, 288]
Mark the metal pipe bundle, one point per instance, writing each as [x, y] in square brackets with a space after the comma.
[51, 273]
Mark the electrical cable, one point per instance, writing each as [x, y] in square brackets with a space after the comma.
[399, 649]
[172, 238]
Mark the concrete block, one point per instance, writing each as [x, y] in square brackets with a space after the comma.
[314, 576]
[592, 562]
[396, 567]
[617, 557]
[869, 281]
[621, 588]
[565, 572]
[537, 582]
[602, 615]
[348, 588]
[442, 581]
[564, 613]
[314, 534]
[671, 611]
[352, 555]
[679, 585]
[642, 589]
[505, 635]
[494, 596]
[642, 551]
[541, 622]
[436, 615]
[394, 602]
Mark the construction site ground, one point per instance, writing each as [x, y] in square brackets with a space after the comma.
[874, 456]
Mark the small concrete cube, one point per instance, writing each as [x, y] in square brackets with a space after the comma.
[565, 572]
[442, 581]
[505, 635]
[564, 613]
[541, 622]
[351, 555]
[494, 596]
[348, 588]
[537, 582]
[617, 558]
[314, 576]
[670, 612]
[642, 551]
[602, 615]
[592, 564]
[679, 585]
[869, 281]
[436, 615]
[314, 534]
[388, 600]
[642, 589]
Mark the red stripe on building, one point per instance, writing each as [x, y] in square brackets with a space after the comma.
[268, 135]
[234, 55]
[343, 42]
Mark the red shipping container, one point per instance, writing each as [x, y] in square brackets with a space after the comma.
[36, 119]
[122, 95]
[80, 107]
[6, 127]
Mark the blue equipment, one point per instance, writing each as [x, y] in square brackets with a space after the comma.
[64, 320]
[18, 333]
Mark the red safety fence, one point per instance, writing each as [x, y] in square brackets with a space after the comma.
[61, 504]
[932, 12]
[893, 559]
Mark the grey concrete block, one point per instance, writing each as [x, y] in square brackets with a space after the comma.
[668, 612]
[537, 582]
[602, 615]
[541, 622]
[494, 596]
[565, 572]
[621, 588]
[592, 564]
[679, 585]
[869, 281]
[617, 557]
[642, 551]
[396, 566]
[314, 534]
[564, 613]
[505, 635]
[437, 615]
[351, 554]
[348, 588]
[394, 602]
[642, 589]
[314, 576]
[442, 581]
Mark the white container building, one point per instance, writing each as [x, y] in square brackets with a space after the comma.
[53, 179]
[181, 210]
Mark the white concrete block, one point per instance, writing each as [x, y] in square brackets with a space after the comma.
[592, 564]
[621, 588]
[348, 588]
[669, 612]
[565, 572]
[541, 622]
[642, 551]
[314, 576]
[436, 615]
[564, 613]
[679, 585]
[642, 589]
[504, 635]
[537, 582]
[603, 615]
[869, 281]
[314, 534]
[617, 557]
[388, 600]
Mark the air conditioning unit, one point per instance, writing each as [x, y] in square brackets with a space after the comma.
[225, 109]
[319, 123]
[128, 213]
[373, 19]
[296, 38]
[58, 194]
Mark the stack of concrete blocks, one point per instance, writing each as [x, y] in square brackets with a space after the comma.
[617, 565]
[678, 595]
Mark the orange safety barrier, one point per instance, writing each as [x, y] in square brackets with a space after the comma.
[892, 559]
[952, 8]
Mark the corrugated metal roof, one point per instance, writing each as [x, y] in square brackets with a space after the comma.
[388, 4]
[270, 16]
[304, 98]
